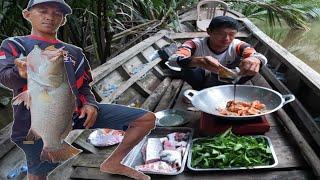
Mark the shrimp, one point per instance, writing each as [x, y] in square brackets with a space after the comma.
[242, 108]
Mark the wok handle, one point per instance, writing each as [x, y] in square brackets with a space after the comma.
[190, 94]
[288, 98]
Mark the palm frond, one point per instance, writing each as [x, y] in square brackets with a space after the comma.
[294, 12]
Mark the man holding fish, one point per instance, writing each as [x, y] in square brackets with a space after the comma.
[203, 59]
[50, 81]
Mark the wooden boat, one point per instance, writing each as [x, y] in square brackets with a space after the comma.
[137, 77]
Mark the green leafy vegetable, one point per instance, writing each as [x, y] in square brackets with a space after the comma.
[229, 150]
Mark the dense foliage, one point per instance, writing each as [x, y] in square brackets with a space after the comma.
[295, 13]
[106, 27]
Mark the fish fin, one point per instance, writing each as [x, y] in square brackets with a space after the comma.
[22, 97]
[44, 96]
[32, 135]
[64, 153]
[67, 131]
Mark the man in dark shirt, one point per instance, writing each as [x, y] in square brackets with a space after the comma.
[46, 16]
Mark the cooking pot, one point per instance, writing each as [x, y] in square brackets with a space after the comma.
[210, 99]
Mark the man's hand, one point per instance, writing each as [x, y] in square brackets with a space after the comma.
[22, 67]
[249, 66]
[207, 62]
[91, 113]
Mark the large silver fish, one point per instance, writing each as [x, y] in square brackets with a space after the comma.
[51, 102]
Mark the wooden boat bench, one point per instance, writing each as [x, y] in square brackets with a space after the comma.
[156, 91]
[291, 163]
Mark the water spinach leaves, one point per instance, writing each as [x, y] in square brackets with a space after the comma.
[228, 150]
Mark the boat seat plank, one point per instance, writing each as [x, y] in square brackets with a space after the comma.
[289, 158]
[164, 101]
[286, 156]
[162, 42]
[303, 114]
[151, 102]
[131, 98]
[168, 98]
[94, 173]
[149, 54]
[87, 159]
[276, 132]
[285, 152]
[127, 84]
[181, 103]
[82, 142]
[157, 71]
[5, 143]
[305, 149]
[91, 160]
[138, 85]
[191, 15]
[13, 160]
[102, 71]
[177, 83]
[73, 135]
[109, 84]
[148, 79]
[191, 35]
[63, 171]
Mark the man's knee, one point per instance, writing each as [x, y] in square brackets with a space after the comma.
[147, 121]
[151, 119]
[36, 177]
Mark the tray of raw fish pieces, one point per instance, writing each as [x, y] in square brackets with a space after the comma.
[164, 151]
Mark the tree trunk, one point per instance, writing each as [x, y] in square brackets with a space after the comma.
[108, 32]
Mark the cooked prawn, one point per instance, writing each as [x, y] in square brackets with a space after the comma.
[242, 108]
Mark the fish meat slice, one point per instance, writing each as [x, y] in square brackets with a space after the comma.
[172, 157]
[105, 137]
[153, 149]
[156, 167]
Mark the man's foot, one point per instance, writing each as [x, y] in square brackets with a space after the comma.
[113, 168]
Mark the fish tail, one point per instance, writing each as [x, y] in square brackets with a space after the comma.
[64, 153]
[22, 97]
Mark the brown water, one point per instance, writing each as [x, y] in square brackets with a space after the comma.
[303, 44]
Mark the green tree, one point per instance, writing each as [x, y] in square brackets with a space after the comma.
[295, 13]
[102, 27]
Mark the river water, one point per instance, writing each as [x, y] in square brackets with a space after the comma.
[303, 44]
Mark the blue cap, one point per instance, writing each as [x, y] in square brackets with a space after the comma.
[66, 9]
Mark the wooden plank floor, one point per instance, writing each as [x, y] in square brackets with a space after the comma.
[291, 164]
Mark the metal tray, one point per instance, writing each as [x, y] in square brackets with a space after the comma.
[275, 160]
[134, 158]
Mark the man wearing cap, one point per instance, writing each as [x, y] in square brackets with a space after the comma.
[46, 16]
[200, 59]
